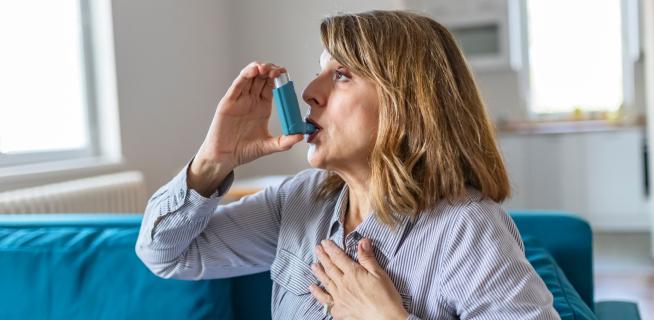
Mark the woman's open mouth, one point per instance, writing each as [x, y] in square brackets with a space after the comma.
[315, 133]
[313, 136]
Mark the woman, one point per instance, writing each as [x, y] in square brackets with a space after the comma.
[399, 217]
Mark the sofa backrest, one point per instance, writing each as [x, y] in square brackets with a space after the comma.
[84, 267]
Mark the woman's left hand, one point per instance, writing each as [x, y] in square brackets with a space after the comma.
[355, 290]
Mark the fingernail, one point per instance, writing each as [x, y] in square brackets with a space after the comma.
[366, 245]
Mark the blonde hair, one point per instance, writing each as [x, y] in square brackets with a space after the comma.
[434, 137]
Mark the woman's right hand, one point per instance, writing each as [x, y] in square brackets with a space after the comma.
[239, 130]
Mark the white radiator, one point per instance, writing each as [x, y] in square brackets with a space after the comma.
[122, 192]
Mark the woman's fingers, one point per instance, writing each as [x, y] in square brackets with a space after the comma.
[258, 84]
[255, 79]
[267, 91]
[260, 80]
[269, 72]
[321, 295]
[338, 256]
[323, 277]
[281, 143]
[243, 82]
[331, 269]
[275, 71]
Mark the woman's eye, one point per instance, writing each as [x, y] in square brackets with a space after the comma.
[338, 75]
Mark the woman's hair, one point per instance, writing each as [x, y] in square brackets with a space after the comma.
[434, 137]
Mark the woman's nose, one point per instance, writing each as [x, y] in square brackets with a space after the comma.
[312, 94]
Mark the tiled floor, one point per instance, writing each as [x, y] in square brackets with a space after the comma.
[624, 269]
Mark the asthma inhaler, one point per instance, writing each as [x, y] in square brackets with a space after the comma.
[288, 108]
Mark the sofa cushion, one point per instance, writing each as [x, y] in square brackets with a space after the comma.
[92, 272]
[567, 301]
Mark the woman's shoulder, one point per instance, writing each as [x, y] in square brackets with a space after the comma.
[471, 214]
[300, 209]
[471, 226]
[301, 185]
[473, 203]
[307, 179]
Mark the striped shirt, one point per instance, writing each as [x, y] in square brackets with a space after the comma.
[458, 260]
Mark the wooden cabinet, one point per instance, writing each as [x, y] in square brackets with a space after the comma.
[598, 175]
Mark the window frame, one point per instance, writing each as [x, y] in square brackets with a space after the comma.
[108, 155]
[89, 96]
[631, 53]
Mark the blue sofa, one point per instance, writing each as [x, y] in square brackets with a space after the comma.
[72, 266]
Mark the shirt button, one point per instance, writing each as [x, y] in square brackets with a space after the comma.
[353, 241]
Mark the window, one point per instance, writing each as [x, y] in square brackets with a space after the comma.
[577, 56]
[46, 83]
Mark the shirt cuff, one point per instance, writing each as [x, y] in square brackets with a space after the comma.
[179, 193]
[412, 317]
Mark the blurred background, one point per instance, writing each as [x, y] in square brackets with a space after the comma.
[103, 102]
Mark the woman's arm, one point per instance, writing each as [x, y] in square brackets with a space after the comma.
[187, 236]
[184, 233]
[484, 273]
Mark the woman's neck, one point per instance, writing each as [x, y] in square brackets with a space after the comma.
[358, 207]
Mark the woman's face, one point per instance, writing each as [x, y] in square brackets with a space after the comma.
[345, 106]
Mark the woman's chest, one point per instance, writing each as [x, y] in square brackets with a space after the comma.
[291, 274]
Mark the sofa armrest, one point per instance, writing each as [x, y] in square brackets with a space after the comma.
[626, 310]
[568, 239]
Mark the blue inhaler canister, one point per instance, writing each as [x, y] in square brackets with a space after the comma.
[288, 108]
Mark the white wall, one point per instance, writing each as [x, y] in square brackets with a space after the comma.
[174, 62]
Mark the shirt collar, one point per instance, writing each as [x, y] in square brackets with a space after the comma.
[383, 237]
